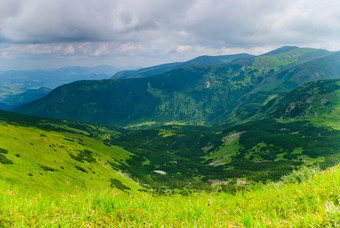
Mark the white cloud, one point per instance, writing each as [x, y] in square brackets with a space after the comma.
[182, 48]
[69, 50]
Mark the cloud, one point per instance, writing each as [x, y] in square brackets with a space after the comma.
[164, 28]
[85, 20]
[209, 22]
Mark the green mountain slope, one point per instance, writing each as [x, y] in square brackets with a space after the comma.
[253, 105]
[59, 155]
[160, 69]
[280, 50]
[184, 95]
[316, 101]
[202, 95]
[302, 126]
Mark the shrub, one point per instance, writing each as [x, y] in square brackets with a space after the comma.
[46, 168]
[5, 160]
[82, 156]
[303, 173]
[81, 169]
[118, 184]
[3, 151]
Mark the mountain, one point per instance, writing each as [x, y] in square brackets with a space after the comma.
[159, 69]
[27, 96]
[199, 95]
[15, 82]
[317, 101]
[280, 50]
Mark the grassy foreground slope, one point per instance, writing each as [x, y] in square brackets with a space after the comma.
[312, 203]
[50, 155]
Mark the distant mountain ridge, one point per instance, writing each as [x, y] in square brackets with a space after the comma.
[4, 106]
[280, 50]
[201, 60]
[199, 95]
[16, 82]
[27, 96]
[159, 69]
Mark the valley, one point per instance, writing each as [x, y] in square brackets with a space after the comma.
[223, 130]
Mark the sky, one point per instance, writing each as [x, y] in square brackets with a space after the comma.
[45, 34]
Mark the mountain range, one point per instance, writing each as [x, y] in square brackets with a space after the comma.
[159, 69]
[255, 118]
[22, 98]
[205, 95]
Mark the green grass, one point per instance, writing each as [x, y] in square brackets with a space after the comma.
[225, 152]
[33, 157]
[312, 203]
[147, 124]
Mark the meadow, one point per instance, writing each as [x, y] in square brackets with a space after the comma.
[305, 198]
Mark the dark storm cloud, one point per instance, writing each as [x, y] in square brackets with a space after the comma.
[163, 28]
[205, 22]
[86, 20]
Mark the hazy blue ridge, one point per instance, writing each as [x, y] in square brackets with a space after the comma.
[159, 69]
